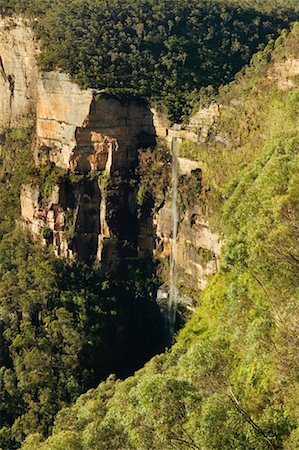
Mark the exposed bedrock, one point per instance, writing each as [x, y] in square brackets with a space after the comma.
[18, 74]
[99, 206]
[86, 130]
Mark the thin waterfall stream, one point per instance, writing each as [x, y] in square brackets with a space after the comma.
[173, 292]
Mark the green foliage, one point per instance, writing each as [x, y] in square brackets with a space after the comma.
[41, 337]
[103, 180]
[16, 168]
[48, 178]
[251, 110]
[189, 190]
[30, 7]
[150, 49]
[58, 324]
[154, 172]
[47, 234]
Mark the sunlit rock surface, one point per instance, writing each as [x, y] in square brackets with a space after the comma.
[18, 73]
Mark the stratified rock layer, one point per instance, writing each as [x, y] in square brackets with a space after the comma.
[99, 137]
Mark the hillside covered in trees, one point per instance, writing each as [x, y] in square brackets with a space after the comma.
[231, 380]
[148, 48]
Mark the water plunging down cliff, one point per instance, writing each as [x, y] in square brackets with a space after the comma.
[173, 289]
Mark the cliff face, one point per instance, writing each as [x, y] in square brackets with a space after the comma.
[92, 134]
[18, 74]
[198, 248]
[92, 139]
[85, 130]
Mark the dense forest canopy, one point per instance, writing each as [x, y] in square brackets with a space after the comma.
[163, 50]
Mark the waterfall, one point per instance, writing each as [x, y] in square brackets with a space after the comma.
[173, 293]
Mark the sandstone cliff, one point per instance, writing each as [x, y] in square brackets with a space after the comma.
[93, 138]
[18, 73]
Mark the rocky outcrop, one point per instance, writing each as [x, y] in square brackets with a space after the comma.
[197, 130]
[30, 207]
[68, 218]
[203, 120]
[81, 129]
[187, 166]
[99, 143]
[18, 73]
[284, 73]
[198, 247]
[61, 108]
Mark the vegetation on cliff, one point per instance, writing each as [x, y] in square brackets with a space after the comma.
[231, 380]
[162, 50]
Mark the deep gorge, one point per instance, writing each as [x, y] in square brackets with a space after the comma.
[164, 254]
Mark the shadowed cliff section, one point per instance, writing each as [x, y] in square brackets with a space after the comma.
[103, 149]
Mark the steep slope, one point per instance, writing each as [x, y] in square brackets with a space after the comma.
[231, 380]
